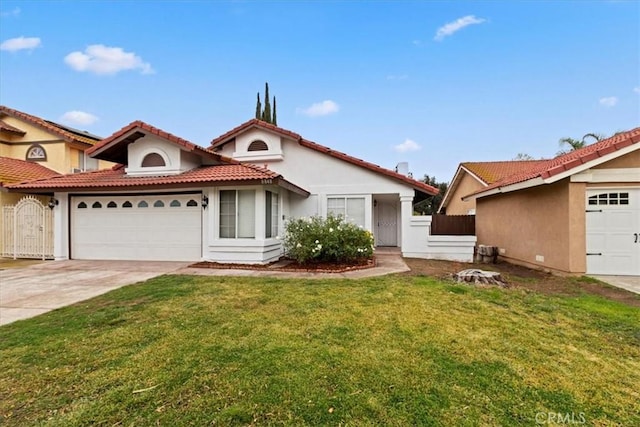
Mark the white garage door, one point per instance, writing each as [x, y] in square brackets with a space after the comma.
[613, 231]
[146, 227]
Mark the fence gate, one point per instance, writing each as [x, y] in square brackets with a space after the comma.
[27, 230]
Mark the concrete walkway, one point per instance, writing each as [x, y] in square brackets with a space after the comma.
[630, 283]
[35, 289]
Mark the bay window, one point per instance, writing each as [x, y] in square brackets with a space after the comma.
[237, 214]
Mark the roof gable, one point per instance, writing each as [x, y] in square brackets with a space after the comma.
[64, 132]
[255, 123]
[114, 147]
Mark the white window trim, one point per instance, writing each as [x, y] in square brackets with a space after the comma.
[367, 206]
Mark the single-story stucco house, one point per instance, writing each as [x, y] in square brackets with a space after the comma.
[169, 199]
[576, 213]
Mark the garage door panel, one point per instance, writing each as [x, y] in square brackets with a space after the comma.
[163, 233]
[610, 228]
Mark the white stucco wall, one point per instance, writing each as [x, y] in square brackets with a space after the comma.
[323, 176]
[176, 160]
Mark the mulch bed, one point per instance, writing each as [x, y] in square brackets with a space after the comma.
[292, 266]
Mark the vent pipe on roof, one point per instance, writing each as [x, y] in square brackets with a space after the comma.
[403, 168]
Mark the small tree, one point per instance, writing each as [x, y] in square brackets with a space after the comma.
[266, 114]
[274, 119]
[430, 205]
[258, 108]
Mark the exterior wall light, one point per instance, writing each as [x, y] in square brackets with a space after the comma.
[53, 202]
[205, 202]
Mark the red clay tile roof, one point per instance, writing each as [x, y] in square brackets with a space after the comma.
[14, 171]
[490, 172]
[115, 178]
[58, 130]
[569, 161]
[116, 138]
[8, 128]
[255, 123]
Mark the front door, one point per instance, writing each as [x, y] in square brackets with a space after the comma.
[387, 223]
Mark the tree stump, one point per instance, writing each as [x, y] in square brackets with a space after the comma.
[480, 277]
[487, 254]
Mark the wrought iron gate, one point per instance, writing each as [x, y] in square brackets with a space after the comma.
[27, 230]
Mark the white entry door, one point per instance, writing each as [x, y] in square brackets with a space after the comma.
[153, 227]
[386, 223]
[613, 231]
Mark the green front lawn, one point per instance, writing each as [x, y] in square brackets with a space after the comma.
[398, 350]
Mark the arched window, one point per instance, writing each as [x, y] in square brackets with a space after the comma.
[36, 153]
[153, 160]
[96, 205]
[191, 203]
[127, 204]
[158, 204]
[143, 204]
[82, 205]
[175, 204]
[258, 145]
[112, 204]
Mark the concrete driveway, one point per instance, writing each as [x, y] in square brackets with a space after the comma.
[35, 289]
[630, 283]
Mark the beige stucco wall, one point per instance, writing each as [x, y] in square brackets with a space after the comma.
[631, 160]
[466, 186]
[62, 157]
[546, 221]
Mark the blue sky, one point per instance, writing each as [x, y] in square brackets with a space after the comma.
[431, 83]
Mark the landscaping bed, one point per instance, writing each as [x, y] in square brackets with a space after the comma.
[293, 266]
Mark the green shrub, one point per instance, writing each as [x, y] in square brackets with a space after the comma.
[332, 239]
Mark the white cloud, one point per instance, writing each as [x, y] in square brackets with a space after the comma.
[609, 101]
[407, 145]
[78, 118]
[452, 27]
[14, 12]
[20, 43]
[636, 89]
[320, 109]
[101, 59]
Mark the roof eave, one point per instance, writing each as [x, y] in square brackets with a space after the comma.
[534, 182]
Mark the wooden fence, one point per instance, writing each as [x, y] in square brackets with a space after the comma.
[453, 225]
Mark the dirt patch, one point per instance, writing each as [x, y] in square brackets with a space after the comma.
[523, 277]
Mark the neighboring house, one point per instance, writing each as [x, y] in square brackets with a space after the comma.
[576, 213]
[34, 148]
[52, 145]
[474, 176]
[170, 199]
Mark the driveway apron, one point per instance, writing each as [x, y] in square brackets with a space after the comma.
[29, 291]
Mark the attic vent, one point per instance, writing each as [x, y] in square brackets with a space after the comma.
[152, 160]
[258, 146]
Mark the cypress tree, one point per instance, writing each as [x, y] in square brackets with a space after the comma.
[274, 119]
[266, 115]
[258, 108]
